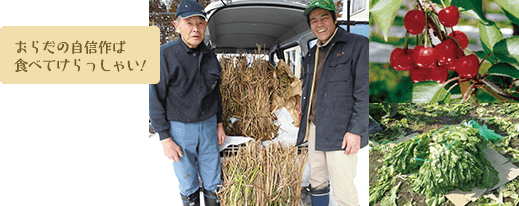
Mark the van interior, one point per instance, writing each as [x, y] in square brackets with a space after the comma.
[279, 27]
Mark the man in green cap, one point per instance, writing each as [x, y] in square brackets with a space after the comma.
[334, 105]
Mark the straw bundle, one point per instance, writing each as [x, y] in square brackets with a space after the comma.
[252, 89]
[260, 176]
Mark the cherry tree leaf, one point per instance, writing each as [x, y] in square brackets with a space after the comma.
[511, 9]
[426, 92]
[439, 2]
[472, 8]
[489, 35]
[507, 50]
[384, 13]
[506, 70]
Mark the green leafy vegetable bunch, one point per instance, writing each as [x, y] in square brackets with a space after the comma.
[438, 162]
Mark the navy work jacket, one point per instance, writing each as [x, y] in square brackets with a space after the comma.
[342, 93]
[189, 87]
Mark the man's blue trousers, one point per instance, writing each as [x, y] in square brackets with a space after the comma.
[199, 144]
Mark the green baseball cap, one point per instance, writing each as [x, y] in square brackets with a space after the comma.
[325, 4]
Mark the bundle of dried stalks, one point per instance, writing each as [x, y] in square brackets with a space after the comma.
[246, 94]
[259, 176]
[252, 89]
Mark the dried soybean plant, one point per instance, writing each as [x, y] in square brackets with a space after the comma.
[246, 95]
[257, 175]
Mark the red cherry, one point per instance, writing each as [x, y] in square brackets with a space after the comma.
[459, 52]
[461, 38]
[424, 57]
[433, 73]
[467, 66]
[414, 21]
[449, 16]
[439, 73]
[452, 66]
[402, 60]
[419, 75]
[446, 52]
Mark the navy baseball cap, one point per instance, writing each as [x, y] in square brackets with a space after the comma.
[189, 8]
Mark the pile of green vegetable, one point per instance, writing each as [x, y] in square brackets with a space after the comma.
[437, 162]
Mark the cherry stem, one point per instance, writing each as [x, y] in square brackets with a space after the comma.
[426, 30]
[452, 87]
[451, 80]
[504, 98]
[443, 4]
[436, 26]
[494, 87]
[419, 4]
[406, 41]
[497, 92]
[455, 40]
[471, 94]
[484, 59]
[510, 87]
[466, 96]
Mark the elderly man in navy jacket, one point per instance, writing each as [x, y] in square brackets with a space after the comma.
[334, 105]
[186, 106]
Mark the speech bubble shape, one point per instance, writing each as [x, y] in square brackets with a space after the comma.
[79, 54]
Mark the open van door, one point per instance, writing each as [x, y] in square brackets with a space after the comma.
[239, 26]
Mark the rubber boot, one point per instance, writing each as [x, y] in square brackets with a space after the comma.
[306, 197]
[211, 199]
[191, 200]
[320, 197]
